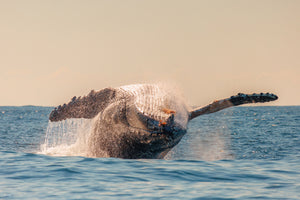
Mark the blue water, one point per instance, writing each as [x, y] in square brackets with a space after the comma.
[238, 153]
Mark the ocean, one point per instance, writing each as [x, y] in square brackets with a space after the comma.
[237, 153]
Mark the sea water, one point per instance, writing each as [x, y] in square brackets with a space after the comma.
[237, 153]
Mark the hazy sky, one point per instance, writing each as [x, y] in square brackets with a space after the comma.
[53, 50]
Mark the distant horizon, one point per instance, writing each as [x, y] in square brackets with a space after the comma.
[246, 105]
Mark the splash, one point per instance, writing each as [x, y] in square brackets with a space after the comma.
[67, 138]
[213, 146]
[209, 146]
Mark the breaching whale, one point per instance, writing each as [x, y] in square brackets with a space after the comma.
[140, 121]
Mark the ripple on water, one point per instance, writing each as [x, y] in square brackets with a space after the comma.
[264, 162]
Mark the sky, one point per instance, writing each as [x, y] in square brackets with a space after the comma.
[51, 50]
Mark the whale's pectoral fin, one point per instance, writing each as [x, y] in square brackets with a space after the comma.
[84, 107]
[232, 101]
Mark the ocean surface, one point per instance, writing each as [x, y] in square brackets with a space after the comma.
[237, 153]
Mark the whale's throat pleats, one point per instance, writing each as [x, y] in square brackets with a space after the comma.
[154, 104]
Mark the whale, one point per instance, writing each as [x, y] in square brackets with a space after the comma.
[140, 121]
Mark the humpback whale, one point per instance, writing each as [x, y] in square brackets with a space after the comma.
[142, 120]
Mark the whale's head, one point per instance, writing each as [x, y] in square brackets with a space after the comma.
[157, 117]
[143, 121]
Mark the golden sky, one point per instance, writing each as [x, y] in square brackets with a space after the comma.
[53, 50]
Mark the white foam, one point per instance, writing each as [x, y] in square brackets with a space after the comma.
[67, 138]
